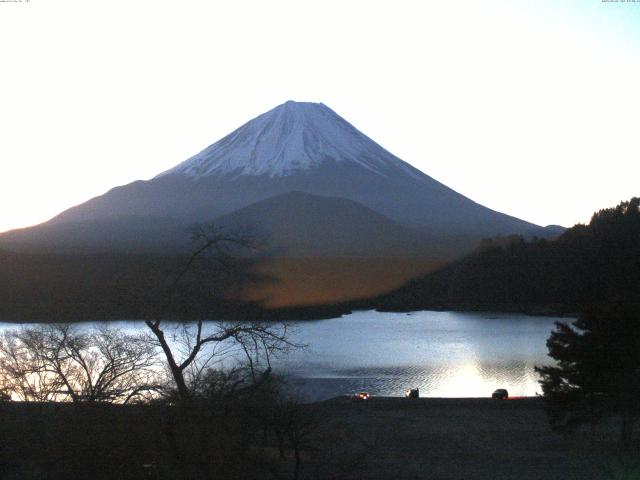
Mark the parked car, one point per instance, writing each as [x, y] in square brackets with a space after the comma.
[500, 394]
[360, 397]
[412, 393]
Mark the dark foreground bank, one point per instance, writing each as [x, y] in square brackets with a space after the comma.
[339, 439]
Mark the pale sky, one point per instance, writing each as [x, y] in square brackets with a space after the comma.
[530, 107]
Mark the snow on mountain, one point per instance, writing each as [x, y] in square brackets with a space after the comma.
[301, 147]
[292, 137]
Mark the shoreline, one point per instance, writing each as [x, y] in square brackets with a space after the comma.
[304, 315]
[383, 438]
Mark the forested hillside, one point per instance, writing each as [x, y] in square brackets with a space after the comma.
[586, 265]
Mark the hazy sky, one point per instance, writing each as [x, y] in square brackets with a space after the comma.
[531, 107]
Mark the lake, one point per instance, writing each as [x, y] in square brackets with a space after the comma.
[444, 354]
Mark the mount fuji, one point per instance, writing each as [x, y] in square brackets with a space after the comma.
[304, 147]
[299, 173]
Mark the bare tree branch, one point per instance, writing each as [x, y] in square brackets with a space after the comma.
[62, 363]
[254, 339]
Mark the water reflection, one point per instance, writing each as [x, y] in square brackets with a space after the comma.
[464, 380]
[445, 354]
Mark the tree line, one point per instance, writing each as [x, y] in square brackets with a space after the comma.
[587, 265]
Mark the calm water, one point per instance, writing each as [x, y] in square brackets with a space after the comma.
[445, 354]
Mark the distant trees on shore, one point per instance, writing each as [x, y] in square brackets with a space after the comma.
[592, 264]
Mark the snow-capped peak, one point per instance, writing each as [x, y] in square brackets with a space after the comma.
[293, 136]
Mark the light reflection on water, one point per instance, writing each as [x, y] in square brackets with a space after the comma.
[444, 354]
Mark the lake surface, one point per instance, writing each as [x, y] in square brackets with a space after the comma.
[444, 354]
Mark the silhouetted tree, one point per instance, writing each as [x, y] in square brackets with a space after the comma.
[598, 369]
[192, 349]
[296, 424]
[63, 362]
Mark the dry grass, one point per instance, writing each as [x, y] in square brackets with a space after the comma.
[445, 439]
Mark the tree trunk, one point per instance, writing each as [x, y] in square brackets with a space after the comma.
[176, 372]
[626, 430]
[280, 438]
[181, 385]
[172, 440]
[296, 469]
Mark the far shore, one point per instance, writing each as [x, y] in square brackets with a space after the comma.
[304, 313]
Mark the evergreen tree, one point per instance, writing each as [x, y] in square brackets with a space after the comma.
[598, 369]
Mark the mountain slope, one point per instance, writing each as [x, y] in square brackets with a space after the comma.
[299, 147]
[297, 224]
[329, 249]
[125, 234]
[294, 137]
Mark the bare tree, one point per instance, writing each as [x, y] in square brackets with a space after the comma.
[23, 374]
[64, 363]
[293, 423]
[192, 349]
